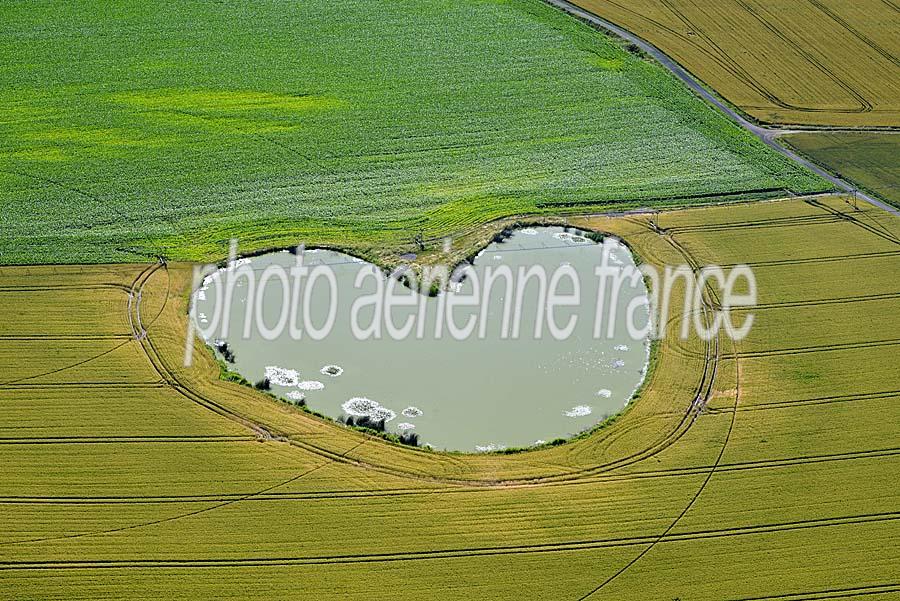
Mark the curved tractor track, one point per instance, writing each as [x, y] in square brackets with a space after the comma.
[169, 377]
[766, 134]
[702, 395]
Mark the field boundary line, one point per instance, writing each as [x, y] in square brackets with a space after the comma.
[765, 134]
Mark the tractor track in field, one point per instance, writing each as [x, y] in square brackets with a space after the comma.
[747, 466]
[859, 35]
[878, 229]
[767, 135]
[798, 350]
[840, 300]
[265, 431]
[588, 475]
[830, 593]
[802, 350]
[708, 299]
[132, 302]
[825, 400]
[165, 520]
[723, 59]
[811, 260]
[453, 553]
[18, 381]
[89, 384]
[69, 440]
[799, 220]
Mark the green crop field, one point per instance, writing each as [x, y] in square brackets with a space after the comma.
[760, 469]
[132, 130]
[867, 158]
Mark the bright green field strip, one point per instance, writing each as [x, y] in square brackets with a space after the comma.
[869, 159]
[180, 126]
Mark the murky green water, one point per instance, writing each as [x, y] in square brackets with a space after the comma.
[470, 395]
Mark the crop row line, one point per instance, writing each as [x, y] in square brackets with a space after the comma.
[828, 259]
[830, 593]
[799, 350]
[825, 400]
[429, 491]
[199, 438]
[581, 545]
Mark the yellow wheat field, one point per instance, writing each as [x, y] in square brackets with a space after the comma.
[126, 475]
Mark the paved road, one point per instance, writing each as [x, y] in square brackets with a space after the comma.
[767, 135]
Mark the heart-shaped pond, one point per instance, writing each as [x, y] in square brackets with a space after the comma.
[487, 390]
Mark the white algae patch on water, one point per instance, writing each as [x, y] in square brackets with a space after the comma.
[411, 412]
[310, 385]
[621, 347]
[529, 231]
[604, 392]
[567, 237]
[360, 406]
[296, 396]
[282, 376]
[363, 407]
[332, 370]
[489, 448]
[618, 363]
[383, 413]
[405, 426]
[578, 411]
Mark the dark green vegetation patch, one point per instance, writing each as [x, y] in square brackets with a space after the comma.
[869, 159]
